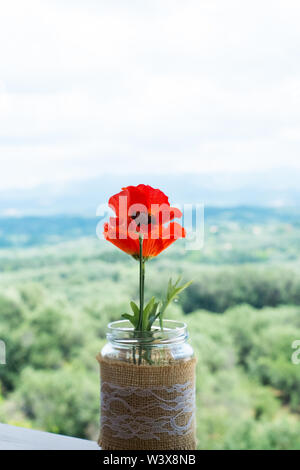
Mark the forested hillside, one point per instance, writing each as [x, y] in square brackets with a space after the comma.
[60, 286]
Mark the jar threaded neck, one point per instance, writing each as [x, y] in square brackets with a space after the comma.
[122, 333]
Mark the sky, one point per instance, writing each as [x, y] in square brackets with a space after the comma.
[99, 87]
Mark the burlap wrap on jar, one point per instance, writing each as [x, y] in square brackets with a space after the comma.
[148, 407]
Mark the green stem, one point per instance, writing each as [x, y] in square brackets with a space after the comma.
[142, 282]
[140, 326]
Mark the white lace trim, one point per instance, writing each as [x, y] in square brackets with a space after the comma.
[134, 423]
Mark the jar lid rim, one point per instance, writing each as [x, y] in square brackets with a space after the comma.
[167, 324]
[122, 331]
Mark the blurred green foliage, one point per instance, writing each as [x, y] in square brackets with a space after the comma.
[243, 312]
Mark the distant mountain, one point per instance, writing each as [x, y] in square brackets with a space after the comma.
[29, 231]
[275, 189]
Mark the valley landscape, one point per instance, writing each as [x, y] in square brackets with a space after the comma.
[60, 286]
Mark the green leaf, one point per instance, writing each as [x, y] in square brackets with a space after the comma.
[134, 319]
[135, 308]
[131, 318]
[147, 311]
[153, 316]
[173, 291]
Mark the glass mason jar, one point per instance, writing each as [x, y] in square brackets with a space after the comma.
[157, 347]
[147, 388]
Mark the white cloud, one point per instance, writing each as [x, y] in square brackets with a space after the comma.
[129, 86]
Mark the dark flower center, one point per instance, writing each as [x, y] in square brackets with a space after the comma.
[143, 218]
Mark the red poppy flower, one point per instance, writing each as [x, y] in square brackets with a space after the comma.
[142, 210]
